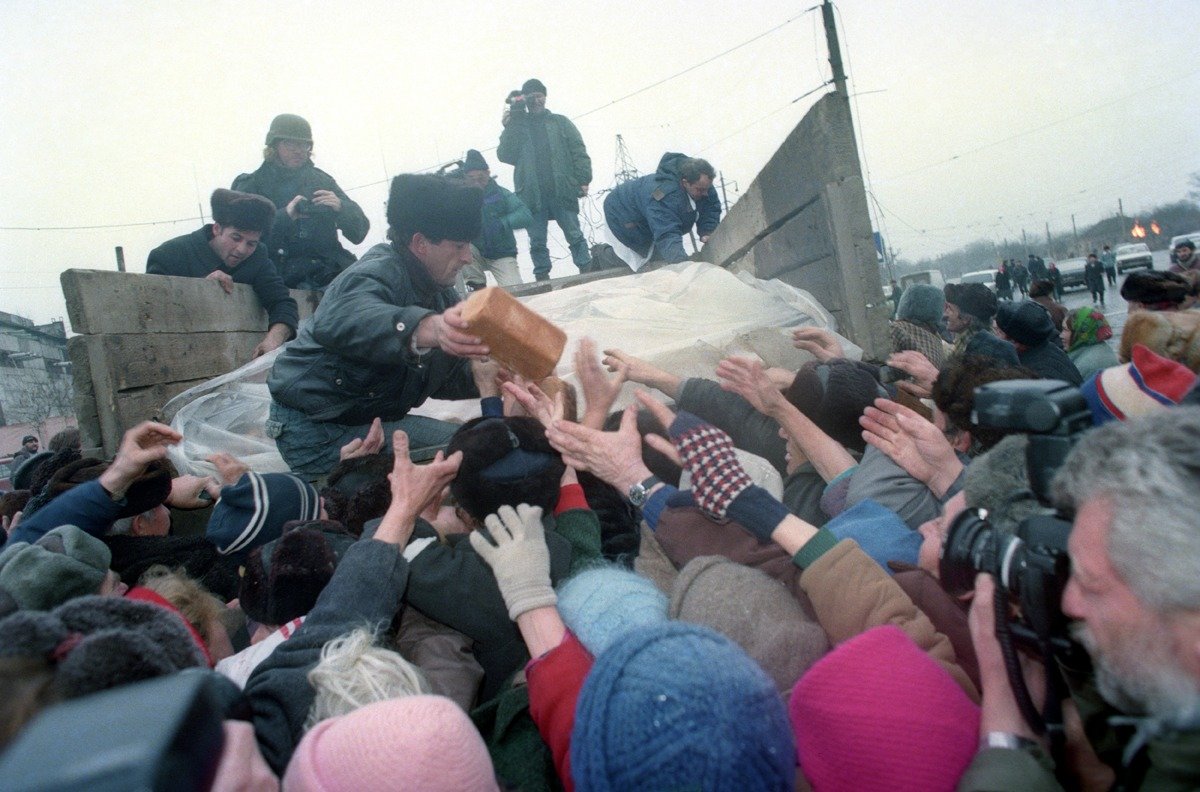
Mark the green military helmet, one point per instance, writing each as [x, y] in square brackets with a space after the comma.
[287, 126]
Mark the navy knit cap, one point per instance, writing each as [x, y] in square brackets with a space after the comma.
[678, 706]
[474, 161]
[252, 512]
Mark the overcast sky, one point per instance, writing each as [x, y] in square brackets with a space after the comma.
[977, 118]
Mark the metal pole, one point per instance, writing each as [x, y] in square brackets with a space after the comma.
[1074, 231]
[120, 259]
[724, 197]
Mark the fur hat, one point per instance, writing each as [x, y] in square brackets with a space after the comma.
[246, 211]
[474, 161]
[252, 512]
[972, 298]
[116, 641]
[1187, 243]
[879, 713]
[753, 610]
[834, 395]
[436, 206]
[603, 603]
[534, 85]
[678, 706]
[1041, 288]
[148, 490]
[282, 579]
[1172, 334]
[1026, 322]
[62, 564]
[1156, 289]
[23, 478]
[921, 302]
[993, 477]
[1148, 383]
[408, 744]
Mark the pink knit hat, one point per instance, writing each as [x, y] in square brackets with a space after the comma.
[878, 713]
[412, 743]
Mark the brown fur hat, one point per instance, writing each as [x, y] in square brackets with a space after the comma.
[246, 211]
[1172, 334]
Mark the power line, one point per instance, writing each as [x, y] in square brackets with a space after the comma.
[98, 227]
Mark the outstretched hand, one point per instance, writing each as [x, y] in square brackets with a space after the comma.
[614, 457]
[534, 400]
[912, 443]
[819, 342]
[518, 556]
[746, 378]
[413, 488]
[145, 443]
[599, 391]
[364, 446]
[917, 366]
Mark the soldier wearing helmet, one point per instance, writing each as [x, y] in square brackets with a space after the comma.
[303, 240]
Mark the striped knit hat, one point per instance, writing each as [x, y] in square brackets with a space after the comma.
[253, 511]
[1148, 383]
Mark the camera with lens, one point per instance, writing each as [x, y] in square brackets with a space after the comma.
[1030, 564]
[516, 101]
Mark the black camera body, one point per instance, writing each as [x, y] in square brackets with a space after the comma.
[516, 101]
[1031, 564]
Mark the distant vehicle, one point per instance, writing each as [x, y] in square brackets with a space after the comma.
[1194, 236]
[932, 277]
[1072, 273]
[986, 277]
[1133, 256]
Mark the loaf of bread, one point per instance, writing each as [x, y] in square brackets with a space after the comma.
[519, 338]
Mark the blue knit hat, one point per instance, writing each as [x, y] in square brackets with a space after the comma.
[600, 605]
[678, 706]
[252, 512]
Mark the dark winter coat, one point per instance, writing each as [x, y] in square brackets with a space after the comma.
[1093, 275]
[190, 256]
[354, 360]
[306, 248]
[568, 159]
[503, 213]
[1029, 326]
[655, 211]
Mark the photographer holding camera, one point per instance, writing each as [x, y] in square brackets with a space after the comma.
[552, 172]
[312, 208]
[1132, 591]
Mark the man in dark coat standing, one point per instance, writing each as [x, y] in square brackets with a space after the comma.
[650, 215]
[1093, 276]
[312, 208]
[388, 334]
[552, 172]
[229, 250]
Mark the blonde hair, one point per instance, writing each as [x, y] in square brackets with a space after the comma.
[197, 604]
[354, 671]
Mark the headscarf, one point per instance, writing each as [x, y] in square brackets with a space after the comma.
[1088, 326]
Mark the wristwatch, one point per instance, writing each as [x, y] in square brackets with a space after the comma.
[999, 739]
[638, 492]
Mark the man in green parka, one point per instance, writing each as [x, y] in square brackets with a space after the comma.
[553, 171]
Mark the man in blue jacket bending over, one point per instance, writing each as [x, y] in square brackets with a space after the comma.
[650, 215]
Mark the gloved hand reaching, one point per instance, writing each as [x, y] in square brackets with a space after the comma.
[518, 557]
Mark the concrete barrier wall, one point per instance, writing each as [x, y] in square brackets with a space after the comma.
[805, 220]
[146, 338]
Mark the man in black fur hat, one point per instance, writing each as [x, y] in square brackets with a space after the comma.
[227, 250]
[387, 335]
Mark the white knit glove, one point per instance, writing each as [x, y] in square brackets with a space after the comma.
[518, 557]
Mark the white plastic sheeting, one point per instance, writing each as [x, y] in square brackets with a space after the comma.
[683, 318]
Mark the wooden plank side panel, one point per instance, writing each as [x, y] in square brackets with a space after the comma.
[145, 359]
[85, 396]
[125, 302]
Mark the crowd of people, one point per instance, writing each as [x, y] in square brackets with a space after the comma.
[748, 581]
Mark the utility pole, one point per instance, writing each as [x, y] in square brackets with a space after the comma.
[1048, 238]
[1024, 242]
[724, 197]
[835, 51]
[625, 169]
[120, 259]
[1074, 231]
